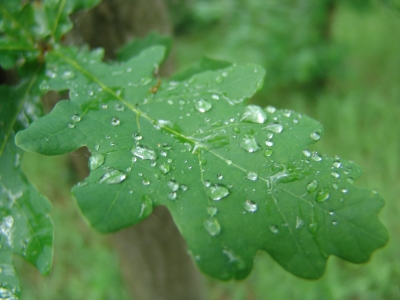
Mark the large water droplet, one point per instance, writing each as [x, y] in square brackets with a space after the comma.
[250, 206]
[173, 185]
[322, 195]
[203, 106]
[315, 136]
[212, 226]
[113, 176]
[146, 206]
[249, 143]
[76, 118]
[115, 121]
[312, 186]
[274, 127]
[96, 161]
[252, 176]
[144, 152]
[254, 114]
[217, 192]
[165, 168]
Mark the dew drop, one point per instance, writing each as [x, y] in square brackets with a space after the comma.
[203, 106]
[307, 153]
[119, 107]
[344, 191]
[165, 168]
[254, 114]
[212, 211]
[144, 153]
[184, 187]
[113, 176]
[336, 164]
[299, 223]
[252, 176]
[250, 206]
[268, 152]
[68, 75]
[249, 143]
[335, 174]
[172, 196]
[137, 136]
[96, 161]
[96, 147]
[146, 181]
[104, 106]
[270, 109]
[173, 185]
[334, 223]
[312, 186]
[76, 118]
[217, 192]
[316, 156]
[274, 229]
[220, 176]
[236, 129]
[350, 180]
[331, 213]
[71, 125]
[212, 226]
[115, 121]
[146, 206]
[322, 195]
[269, 143]
[207, 183]
[274, 127]
[315, 136]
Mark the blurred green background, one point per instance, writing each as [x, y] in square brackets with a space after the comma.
[336, 61]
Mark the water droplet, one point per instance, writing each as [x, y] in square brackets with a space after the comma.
[335, 174]
[172, 196]
[76, 118]
[236, 129]
[217, 192]
[337, 164]
[115, 121]
[344, 191]
[165, 168]
[299, 223]
[212, 211]
[250, 206]
[350, 180]
[254, 114]
[322, 195]
[184, 187]
[113, 176]
[144, 153]
[274, 127]
[203, 106]
[104, 106]
[220, 176]
[96, 161]
[249, 143]
[212, 226]
[315, 136]
[207, 183]
[146, 206]
[96, 147]
[119, 107]
[316, 156]
[312, 186]
[270, 135]
[269, 143]
[268, 152]
[252, 176]
[274, 229]
[334, 223]
[228, 162]
[173, 185]
[146, 181]
[306, 153]
[137, 136]
[331, 213]
[68, 75]
[270, 109]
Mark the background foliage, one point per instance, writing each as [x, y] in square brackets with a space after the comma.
[369, 79]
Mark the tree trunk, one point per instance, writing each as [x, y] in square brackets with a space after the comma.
[154, 260]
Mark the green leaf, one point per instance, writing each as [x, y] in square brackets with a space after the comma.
[136, 46]
[28, 29]
[235, 178]
[25, 225]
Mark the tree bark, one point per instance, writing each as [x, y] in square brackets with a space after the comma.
[155, 263]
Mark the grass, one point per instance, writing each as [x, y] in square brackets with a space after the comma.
[359, 111]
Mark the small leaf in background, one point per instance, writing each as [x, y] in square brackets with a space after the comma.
[236, 178]
[25, 225]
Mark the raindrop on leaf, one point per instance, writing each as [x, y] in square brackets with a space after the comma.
[254, 114]
[144, 153]
[212, 226]
[113, 176]
[96, 161]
